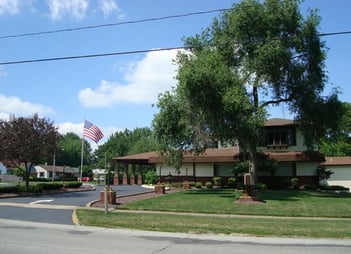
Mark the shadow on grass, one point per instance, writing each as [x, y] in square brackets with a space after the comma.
[267, 195]
[222, 192]
[295, 195]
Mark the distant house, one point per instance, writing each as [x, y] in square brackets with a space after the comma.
[282, 142]
[48, 171]
[7, 167]
[99, 174]
[3, 169]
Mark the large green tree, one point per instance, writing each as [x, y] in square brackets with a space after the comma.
[254, 56]
[338, 143]
[69, 150]
[126, 142]
[26, 141]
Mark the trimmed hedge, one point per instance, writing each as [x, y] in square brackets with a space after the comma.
[333, 188]
[9, 189]
[73, 184]
[38, 187]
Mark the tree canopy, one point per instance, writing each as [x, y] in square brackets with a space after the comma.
[25, 141]
[254, 56]
[69, 149]
[126, 142]
[338, 143]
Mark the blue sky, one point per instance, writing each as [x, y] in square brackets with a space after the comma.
[117, 92]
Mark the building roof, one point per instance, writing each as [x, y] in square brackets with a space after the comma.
[337, 161]
[59, 169]
[296, 156]
[209, 155]
[224, 155]
[279, 122]
[140, 158]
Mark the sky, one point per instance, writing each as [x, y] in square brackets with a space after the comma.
[118, 92]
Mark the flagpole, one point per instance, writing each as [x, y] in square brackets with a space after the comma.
[81, 156]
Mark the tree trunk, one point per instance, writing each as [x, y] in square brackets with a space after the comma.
[26, 175]
[253, 165]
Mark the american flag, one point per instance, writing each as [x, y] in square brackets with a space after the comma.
[92, 131]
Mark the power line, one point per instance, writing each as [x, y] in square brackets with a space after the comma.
[89, 56]
[113, 24]
[129, 22]
[125, 52]
[335, 33]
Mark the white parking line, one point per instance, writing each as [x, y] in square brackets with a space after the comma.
[42, 206]
[41, 201]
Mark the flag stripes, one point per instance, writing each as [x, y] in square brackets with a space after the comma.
[92, 131]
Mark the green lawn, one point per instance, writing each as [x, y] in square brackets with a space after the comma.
[336, 208]
[277, 203]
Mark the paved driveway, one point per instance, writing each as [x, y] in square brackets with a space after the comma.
[59, 207]
[75, 198]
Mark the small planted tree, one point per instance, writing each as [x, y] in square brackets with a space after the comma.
[26, 141]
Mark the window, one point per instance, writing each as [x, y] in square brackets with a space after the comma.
[280, 136]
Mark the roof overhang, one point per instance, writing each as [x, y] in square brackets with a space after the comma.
[296, 156]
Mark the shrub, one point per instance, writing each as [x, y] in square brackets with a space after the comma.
[294, 182]
[176, 184]
[333, 188]
[9, 189]
[198, 185]
[150, 177]
[309, 187]
[32, 188]
[50, 186]
[73, 184]
[261, 186]
[208, 185]
[217, 181]
[240, 186]
[323, 173]
[232, 182]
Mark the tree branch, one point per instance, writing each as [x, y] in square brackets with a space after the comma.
[266, 103]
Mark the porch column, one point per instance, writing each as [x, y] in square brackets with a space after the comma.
[132, 178]
[125, 171]
[116, 177]
[140, 170]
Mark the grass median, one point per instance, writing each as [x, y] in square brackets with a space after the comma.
[294, 214]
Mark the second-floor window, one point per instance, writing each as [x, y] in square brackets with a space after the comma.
[280, 136]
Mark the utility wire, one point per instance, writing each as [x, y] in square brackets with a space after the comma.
[128, 22]
[112, 24]
[125, 52]
[89, 56]
[335, 33]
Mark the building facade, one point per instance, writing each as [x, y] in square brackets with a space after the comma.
[282, 142]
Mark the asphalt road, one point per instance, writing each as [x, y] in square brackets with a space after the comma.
[75, 198]
[55, 208]
[33, 238]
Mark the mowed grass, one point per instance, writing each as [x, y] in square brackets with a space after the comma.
[215, 212]
[276, 203]
[217, 225]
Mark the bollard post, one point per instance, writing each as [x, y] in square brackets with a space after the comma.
[106, 200]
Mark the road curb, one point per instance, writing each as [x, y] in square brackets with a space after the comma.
[75, 219]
